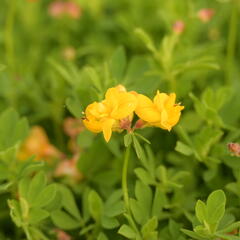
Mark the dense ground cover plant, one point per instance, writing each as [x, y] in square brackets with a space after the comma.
[159, 82]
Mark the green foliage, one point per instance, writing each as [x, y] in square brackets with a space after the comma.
[209, 215]
[53, 67]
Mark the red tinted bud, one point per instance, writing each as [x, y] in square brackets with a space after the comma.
[234, 148]
[125, 123]
[205, 14]
[139, 124]
[178, 27]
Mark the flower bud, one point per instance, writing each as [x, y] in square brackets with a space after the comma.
[205, 14]
[178, 27]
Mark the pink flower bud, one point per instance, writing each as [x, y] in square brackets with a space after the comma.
[72, 126]
[205, 14]
[56, 8]
[125, 123]
[73, 10]
[178, 27]
[139, 124]
[234, 148]
[68, 167]
[61, 235]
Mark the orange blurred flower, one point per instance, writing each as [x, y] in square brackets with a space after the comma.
[61, 8]
[234, 148]
[72, 127]
[205, 14]
[61, 235]
[178, 27]
[69, 168]
[72, 9]
[38, 144]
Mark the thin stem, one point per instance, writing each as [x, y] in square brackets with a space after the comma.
[124, 179]
[28, 235]
[125, 191]
[9, 44]
[232, 39]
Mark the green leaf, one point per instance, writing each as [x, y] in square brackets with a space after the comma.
[143, 194]
[201, 211]
[46, 196]
[183, 148]
[127, 139]
[142, 138]
[216, 206]
[55, 203]
[15, 212]
[102, 236]
[146, 39]
[118, 63]
[36, 186]
[174, 229]
[159, 201]
[37, 215]
[37, 233]
[30, 167]
[74, 107]
[192, 234]
[144, 176]
[127, 232]
[138, 148]
[150, 226]
[69, 203]
[109, 223]
[2, 67]
[95, 205]
[62, 71]
[114, 205]
[85, 139]
[12, 129]
[5, 186]
[137, 211]
[24, 208]
[64, 221]
[94, 77]
[230, 228]
[24, 187]
[206, 139]
[227, 237]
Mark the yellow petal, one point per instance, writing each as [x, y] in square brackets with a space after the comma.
[107, 128]
[160, 100]
[146, 110]
[174, 115]
[111, 96]
[96, 110]
[93, 125]
[120, 88]
[126, 104]
[171, 100]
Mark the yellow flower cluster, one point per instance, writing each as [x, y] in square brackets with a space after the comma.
[116, 111]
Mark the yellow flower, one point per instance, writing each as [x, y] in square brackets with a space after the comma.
[162, 112]
[104, 116]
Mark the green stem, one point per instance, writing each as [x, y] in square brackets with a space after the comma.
[125, 191]
[9, 44]
[28, 235]
[232, 39]
[124, 179]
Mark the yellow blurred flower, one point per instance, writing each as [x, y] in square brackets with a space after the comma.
[105, 116]
[37, 144]
[162, 112]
